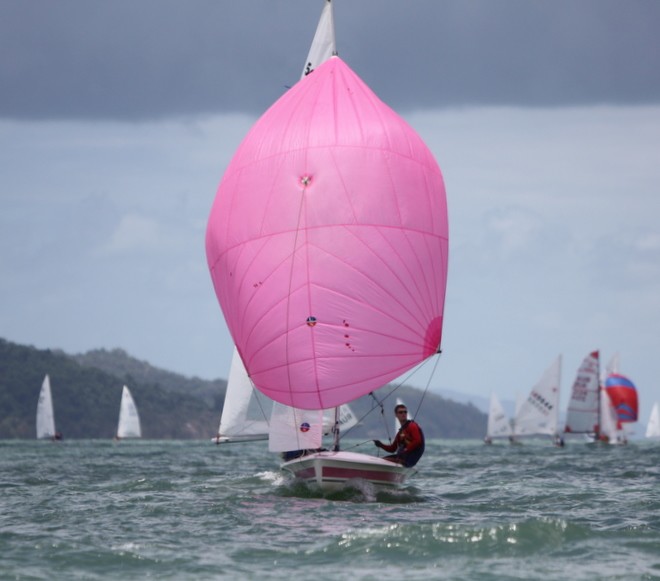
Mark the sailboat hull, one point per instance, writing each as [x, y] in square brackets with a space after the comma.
[333, 470]
[232, 439]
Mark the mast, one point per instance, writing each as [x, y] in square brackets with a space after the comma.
[335, 431]
[600, 407]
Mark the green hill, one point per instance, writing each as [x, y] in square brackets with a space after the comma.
[87, 390]
[86, 399]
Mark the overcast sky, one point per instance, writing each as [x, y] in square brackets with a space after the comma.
[117, 120]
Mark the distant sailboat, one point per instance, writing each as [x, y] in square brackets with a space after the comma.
[246, 411]
[499, 425]
[538, 414]
[129, 419]
[582, 416]
[590, 409]
[46, 414]
[653, 426]
[623, 395]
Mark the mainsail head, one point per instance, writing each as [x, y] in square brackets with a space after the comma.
[323, 44]
[327, 244]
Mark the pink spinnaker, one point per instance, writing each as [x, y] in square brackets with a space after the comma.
[327, 244]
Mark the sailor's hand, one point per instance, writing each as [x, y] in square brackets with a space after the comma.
[378, 443]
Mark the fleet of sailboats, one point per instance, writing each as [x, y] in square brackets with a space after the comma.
[599, 411]
[327, 246]
[599, 408]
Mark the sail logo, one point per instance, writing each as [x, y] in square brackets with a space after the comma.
[537, 401]
[581, 387]
[626, 413]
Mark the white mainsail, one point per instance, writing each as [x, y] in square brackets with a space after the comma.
[653, 427]
[613, 365]
[608, 421]
[499, 425]
[345, 419]
[539, 413]
[294, 429]
[582, 416]
[129, 420]
[323, 45]
[246, 411]
[45, 414]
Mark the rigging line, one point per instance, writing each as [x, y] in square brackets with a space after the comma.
[364, 416]
[288, 302]
[428, 383]
[379, 403]
[348, 431]
[358, 444]
[257, 398]
[382, 412]
[401, 384]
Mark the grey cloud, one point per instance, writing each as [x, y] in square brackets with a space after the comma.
[76, 59]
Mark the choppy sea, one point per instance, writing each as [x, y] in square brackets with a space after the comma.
[192, 510]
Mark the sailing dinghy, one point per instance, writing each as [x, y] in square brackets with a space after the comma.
[623, 395]
[129, 419]
[653, 425]
[246, 411]
[538, 414]
[499, 425]
[327, 246]
[590, 410]
[45, 413]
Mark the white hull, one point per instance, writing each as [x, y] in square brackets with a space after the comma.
[230, 439]
[332, 470]
[617, 440]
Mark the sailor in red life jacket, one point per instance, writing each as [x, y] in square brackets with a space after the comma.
[408, 444]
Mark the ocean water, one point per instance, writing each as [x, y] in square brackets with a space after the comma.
[193, 510]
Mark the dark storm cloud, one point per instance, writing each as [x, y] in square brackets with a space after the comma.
[130, 59]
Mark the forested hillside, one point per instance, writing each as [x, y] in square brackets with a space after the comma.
[87, 390]
[86, 399]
